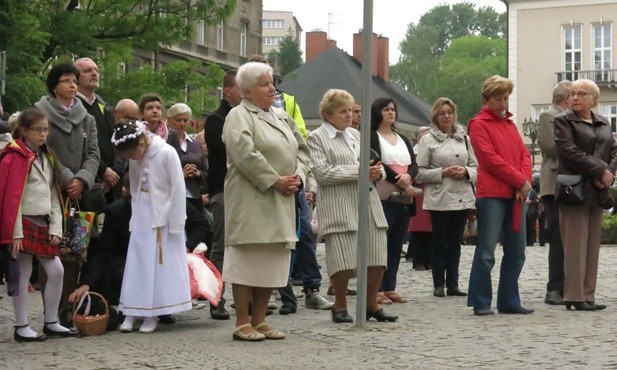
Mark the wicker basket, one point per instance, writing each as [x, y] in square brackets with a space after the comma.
[91, 324]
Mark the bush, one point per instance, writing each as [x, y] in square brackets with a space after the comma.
[609, 229]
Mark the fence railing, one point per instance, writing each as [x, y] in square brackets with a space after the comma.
[602, 77]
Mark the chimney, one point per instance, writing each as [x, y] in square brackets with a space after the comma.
[380, 54]
[316, 42]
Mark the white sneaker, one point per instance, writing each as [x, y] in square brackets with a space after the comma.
[316, 302]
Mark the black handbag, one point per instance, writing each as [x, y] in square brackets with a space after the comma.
[569, 190]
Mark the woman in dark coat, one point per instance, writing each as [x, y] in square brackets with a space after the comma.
[585, 146]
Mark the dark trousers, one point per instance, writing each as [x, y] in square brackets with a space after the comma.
[397, 215]
[448, 227]
[217, 250]
[197, 228]
[288, 297]
[421, 243]
[110, 283]
[555, 250]
[532, 218]
[542, 229]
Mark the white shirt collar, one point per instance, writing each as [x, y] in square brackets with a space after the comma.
[331, 130]
[91, 102]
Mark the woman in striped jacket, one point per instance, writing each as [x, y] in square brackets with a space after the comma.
[335, 150]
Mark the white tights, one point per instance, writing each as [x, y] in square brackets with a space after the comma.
[53, 288]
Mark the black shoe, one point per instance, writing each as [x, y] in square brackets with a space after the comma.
[456, 292]
[60, 334]
[597, 306]
[439, 292]
[579, 306]
[19, 339]
[269, 312]
[287, 309]
[219, 312]
[167, 319]
[380, 316]
[515, 310]
[486, 311]
[341, 316]
[553, 297]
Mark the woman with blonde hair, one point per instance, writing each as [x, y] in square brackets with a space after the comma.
[586, 147]
[335, 153]
[447, 166]
[194, 171]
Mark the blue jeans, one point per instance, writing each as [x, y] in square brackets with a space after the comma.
[397, 215]
[306, 264]
[303, 258]
[495, 220]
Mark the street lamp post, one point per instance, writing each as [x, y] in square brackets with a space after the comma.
[530, 129]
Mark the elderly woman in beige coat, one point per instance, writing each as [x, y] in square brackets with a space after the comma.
[335, 150]
[267, 160]
[447, 166]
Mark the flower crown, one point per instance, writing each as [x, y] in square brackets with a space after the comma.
[140, 128]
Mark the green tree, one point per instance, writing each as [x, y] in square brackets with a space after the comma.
[426, 42]
[38, 33]
[465, 65]
[288, 56]
[179, 81]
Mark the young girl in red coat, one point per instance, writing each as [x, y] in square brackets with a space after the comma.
[31, 220]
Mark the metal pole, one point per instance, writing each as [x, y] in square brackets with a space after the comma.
[363, 181]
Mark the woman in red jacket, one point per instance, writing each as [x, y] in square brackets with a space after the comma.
[504, 174]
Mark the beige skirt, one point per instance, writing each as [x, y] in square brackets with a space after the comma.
[257, 265]
[342, 249]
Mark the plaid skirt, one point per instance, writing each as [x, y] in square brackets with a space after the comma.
[36, 240]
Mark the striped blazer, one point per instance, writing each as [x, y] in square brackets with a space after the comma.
[334, 165]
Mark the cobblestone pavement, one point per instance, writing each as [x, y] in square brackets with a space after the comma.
[432, 333]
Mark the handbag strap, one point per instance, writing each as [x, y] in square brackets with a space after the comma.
[466, 138]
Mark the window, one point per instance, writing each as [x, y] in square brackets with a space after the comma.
[271, 41]
[609, 110]
[200, 30]
[243, 31]
[572, 51]
[272, 23]
[220, 30]
[537, 110]
[602, 52]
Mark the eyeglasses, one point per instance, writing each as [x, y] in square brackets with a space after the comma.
[446, 113]
[580, 94]
[68, 81]
[40, 130]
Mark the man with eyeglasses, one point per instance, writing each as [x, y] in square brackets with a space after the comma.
[548, 182]
[111, 167]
